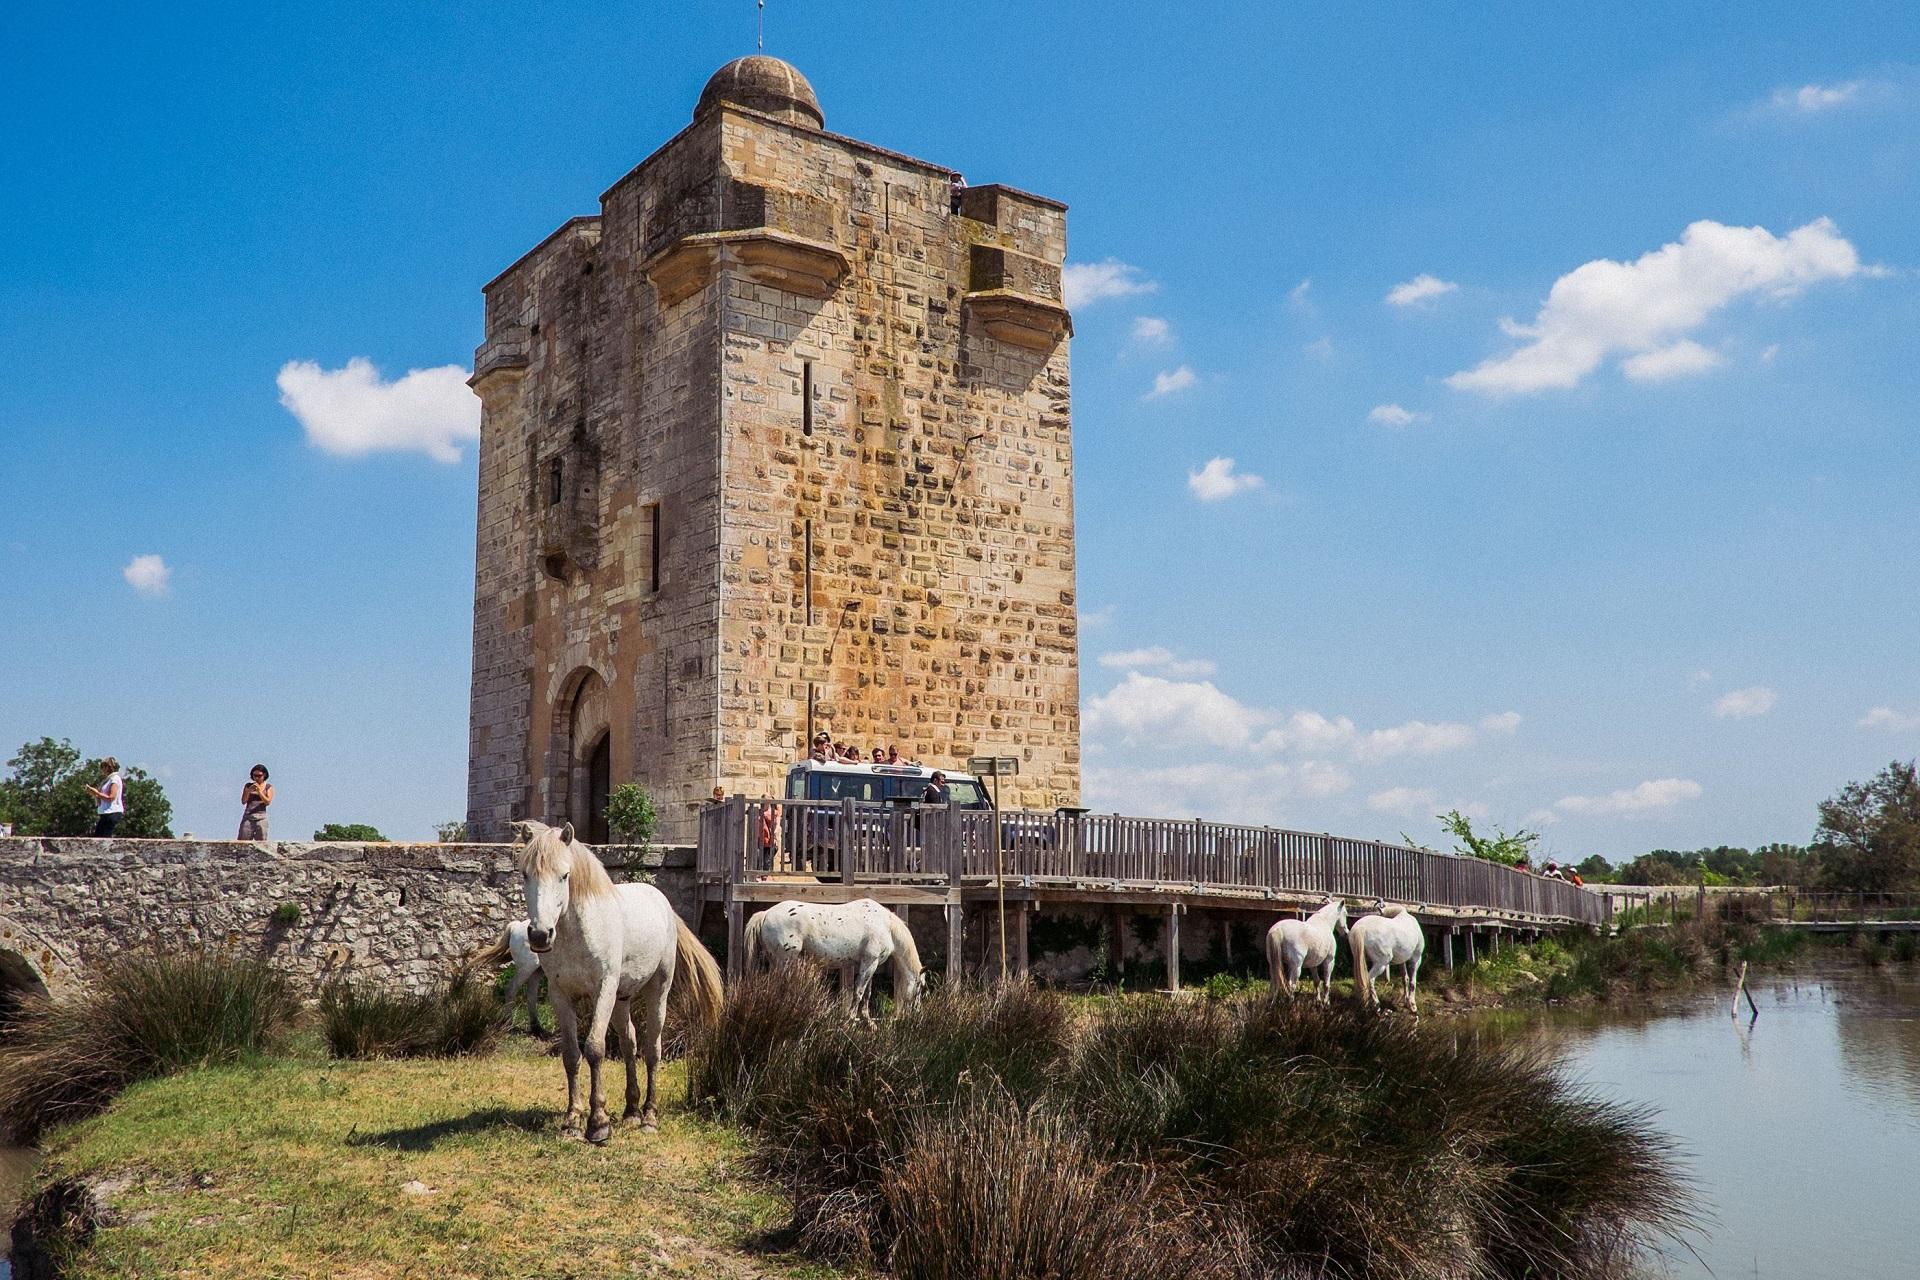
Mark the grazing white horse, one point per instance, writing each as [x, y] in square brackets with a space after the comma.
[856, 937]
[1311, 944]
[1379, 942]
[526, 970]
[615, 947]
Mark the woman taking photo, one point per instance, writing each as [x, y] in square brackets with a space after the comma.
[111, 798]
[254, 799]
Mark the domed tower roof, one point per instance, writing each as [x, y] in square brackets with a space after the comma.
[763, 84]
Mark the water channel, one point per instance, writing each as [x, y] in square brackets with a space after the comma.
[15, 1167]
[1802, 1130]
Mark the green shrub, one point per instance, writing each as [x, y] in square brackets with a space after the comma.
[350, 832]
[286, 915]
[360, 1020]
[143, 1015]
[451, 832]
[630, 814]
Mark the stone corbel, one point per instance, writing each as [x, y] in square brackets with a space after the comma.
[501, 361]
[1019, 319]
[777, 259]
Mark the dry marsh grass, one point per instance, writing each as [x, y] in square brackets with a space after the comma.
[1254, 1138]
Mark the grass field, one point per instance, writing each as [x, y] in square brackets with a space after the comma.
[433, 1167]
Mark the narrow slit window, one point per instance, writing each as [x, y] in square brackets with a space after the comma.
[806, 570]
[556, 481]
[653, 549]
[806, 397]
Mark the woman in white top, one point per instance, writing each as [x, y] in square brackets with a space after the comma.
[112, 797]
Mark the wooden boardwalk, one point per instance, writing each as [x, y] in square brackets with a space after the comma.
[753, 852]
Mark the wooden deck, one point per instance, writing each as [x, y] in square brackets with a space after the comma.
[910, 856]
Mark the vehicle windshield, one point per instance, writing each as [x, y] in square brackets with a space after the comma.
[965, 794]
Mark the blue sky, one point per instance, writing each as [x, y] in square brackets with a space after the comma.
[1645, 579]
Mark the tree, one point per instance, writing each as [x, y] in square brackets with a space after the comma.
[451, 832]
[630, 814]
[350, 831]
[45, 794]
[1502, 847]
[1869, 832]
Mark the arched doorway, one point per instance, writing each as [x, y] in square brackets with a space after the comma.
[18, 981]
[580, 760]
[599, 783]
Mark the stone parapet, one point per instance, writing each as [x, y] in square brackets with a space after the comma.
[402, 913]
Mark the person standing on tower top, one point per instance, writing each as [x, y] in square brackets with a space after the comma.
[112, 797]
[254, 799]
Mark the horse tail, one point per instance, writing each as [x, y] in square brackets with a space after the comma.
[699, 975]
[489, 957]
[905, 954]
[752, 931]
[1362, 985]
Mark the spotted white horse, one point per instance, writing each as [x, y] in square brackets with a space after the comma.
[855, 937]
[512, 945]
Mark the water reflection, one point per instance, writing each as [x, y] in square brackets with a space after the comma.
[1798, 1128]
[15, 1167]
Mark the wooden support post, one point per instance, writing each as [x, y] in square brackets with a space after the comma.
[1469, 938]
[1116, 944]
[1173, 946]
[736, 939]
[1446, 945]
[1493, 941]
[1021, 917]
[956, 939]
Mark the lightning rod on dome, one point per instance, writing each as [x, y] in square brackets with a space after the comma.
[760, 25]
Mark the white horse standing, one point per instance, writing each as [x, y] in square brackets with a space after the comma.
[1311, 944]
[1379, 942]
[856, 937]
[526, 970]
[614, 946]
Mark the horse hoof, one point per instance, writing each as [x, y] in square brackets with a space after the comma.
[600, 1134]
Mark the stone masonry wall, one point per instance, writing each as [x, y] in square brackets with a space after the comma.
[404, 913]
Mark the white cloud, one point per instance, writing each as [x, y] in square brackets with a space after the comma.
[1410, 802]
[1504, 722]
[151, 576]
[1218, 480]
[1152, 330]
[1702, 676]
[1810, 99]
[1392, 415]
[1085, 283]
[1298, 294]
[1767, 356]
[1422, 288]
[1158, 658]
[1165, 384]
[1649, 796]
[1890, 720]
[1740, 704]
[1605, 308]
[1682, 359]
[1540, 818]
[1144, 710]
[1223, 791]
[1093, 619]
[352, 412]
[1319, 349]
[1415, 737]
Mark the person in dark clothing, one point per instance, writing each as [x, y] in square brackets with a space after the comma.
[936, 792]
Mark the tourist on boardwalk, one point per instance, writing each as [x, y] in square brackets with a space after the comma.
[111, 795]
[769, 831]
[936, 792]
[717, 796]
[254, 799]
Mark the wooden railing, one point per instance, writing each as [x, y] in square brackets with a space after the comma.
[905, 844]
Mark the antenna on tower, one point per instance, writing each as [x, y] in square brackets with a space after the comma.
[760, 25]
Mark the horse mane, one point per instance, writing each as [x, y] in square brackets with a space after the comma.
[904, 950]
[549, 856]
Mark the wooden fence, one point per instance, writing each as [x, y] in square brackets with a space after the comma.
[744, 840]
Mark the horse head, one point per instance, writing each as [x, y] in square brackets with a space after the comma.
[547, 863]
[1340, 919]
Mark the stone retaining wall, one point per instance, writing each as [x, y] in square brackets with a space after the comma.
[403, 912]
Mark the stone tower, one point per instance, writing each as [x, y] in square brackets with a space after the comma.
[780, 438]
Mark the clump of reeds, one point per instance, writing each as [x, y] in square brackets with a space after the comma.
[145, 1014]
[361, 1020]
[1268, 1138]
